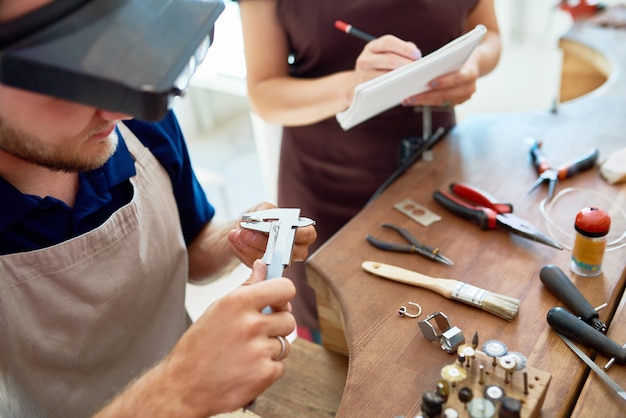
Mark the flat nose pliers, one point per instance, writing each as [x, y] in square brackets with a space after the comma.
[551, 175]
[484, 210]
[414, 245]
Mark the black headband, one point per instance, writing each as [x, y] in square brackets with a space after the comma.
[17, 29]
[130, 56]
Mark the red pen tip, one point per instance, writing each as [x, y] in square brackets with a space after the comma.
[341, 25]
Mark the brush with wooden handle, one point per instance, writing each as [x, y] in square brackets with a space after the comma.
[503, 306]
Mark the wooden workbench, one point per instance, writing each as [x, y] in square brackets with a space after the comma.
[390, 363]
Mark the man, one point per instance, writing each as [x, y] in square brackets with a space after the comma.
[102, 223]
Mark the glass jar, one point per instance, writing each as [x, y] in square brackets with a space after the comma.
[592, 226]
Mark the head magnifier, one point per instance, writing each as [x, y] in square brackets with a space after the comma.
[129, 56]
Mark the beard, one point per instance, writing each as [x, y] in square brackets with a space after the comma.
[67, 158]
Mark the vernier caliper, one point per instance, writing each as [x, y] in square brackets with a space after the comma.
[281, 224]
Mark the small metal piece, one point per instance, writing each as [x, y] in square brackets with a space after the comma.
[510, 408]
[432, 404]
[453, 373]
[508, 363]
[283, 347]
[519, 358]
[419, 213]
[475, 339]
[611, 361]
[467, 350]
[443, 389]
[495, 349]
[465, 395]
[600, 307]
[461, 358]
[427, 121]
[450, 413]
[481, 408]
[403, 311]
[481, 378]
[449, 339]
[525, 382]
[494, 393]
[429, 331]
[621, 392]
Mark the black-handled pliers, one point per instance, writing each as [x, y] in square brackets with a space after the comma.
[479, 207]
[414, 245]
[551, 175]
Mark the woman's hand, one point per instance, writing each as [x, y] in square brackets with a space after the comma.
[449, 89]
[383, 55]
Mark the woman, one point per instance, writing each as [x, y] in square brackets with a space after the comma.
[302, 71]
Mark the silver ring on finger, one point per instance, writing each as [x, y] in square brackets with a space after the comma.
[283, 348]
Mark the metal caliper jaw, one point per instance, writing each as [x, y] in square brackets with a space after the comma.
[281, 225]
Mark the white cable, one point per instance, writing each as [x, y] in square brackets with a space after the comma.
[546, 211]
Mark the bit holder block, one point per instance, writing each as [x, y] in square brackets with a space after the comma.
[531, 395]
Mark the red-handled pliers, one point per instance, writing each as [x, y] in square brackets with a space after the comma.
[566, 170]
[479, 207]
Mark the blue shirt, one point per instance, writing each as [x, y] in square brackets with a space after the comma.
[30, 222]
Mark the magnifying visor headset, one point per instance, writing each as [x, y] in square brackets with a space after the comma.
[129, 56]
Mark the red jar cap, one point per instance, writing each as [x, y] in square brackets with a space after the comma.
[593, 222]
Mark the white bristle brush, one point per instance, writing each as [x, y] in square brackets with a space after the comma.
[503, 306]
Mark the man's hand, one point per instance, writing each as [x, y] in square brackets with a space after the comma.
[249, 245]
[225, 360]
[218, 248]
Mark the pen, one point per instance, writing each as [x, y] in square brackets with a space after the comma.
[344, 27]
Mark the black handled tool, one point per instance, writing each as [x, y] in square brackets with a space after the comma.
[564, 322]
[560, 285]
[414, 246]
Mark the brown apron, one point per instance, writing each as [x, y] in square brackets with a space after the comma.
[81, 319]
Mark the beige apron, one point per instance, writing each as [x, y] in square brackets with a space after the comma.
[81, 319]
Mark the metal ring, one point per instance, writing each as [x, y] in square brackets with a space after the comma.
[283, 348]
[402, 311]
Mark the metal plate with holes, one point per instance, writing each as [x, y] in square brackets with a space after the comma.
[417, 212]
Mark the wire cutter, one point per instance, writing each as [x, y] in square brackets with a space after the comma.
[484, 210]
[414, 245]
[550, 175]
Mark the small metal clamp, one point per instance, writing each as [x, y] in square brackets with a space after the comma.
[450, 337]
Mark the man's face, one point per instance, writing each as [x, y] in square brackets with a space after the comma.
[54, 133]
[51, 132]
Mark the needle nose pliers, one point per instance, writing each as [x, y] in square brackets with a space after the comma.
[551, 175]
[414, 245]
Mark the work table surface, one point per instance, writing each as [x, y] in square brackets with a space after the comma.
[391, 364]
